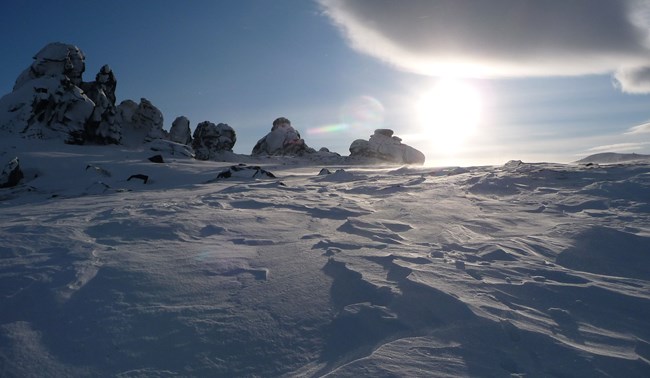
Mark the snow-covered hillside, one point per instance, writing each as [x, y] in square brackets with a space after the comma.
[614, 158]
[516, 270]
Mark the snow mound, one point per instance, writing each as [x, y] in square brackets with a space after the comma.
[613, 158]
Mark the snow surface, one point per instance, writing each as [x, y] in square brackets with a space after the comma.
[614, 158]
[516, 270]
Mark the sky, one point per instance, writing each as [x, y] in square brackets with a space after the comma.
[468, 82]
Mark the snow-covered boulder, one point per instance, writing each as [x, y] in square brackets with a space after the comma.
[384, 146]
[282, 140]
[11, 174]
[180, 131]
[50, 107]
[139, 123]
[47, 101]
[210, 140]
[55, 59]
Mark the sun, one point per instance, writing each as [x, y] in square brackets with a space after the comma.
[449, 113]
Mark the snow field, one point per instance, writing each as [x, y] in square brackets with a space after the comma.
[522, 269]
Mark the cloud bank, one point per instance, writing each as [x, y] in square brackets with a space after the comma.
[503, 38]
[640, 129]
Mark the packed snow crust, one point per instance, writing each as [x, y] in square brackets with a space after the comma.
[516, 270]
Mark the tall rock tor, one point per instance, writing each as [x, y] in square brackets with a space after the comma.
[210, 140]
[47, 101]
[180, 131]
[101, 127]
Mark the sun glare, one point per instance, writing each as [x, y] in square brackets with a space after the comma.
[449, 113]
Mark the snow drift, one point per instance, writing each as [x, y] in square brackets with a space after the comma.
[514, 270]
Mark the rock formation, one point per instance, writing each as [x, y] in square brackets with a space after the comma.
[101, 127]
[180, 131]
[50, 100]
[282, 140]
[210, 140]
[139, 123]
[384, 146]
[55, 59]
[11, 174]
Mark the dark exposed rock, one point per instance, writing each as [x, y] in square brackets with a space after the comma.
[209, 140]
[142, 177]
[157, 159]
[101, 127]
[11, 174]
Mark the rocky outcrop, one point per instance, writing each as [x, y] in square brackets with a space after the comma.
[180, 131]
[50, 100]
[47, 101]
[386, 147]
[282, 140]
[139, 123]
[101, 127]
[209, 140]
[48, 108]
[11, 174]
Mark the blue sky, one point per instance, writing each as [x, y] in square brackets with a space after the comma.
[338, 71]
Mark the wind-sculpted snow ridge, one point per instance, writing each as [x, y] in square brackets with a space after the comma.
[516, 270]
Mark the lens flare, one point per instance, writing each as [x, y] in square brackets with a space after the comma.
[363, 113]
[327, 129]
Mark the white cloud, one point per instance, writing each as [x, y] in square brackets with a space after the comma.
[618, 147]
[633, 79]
[640, 129]
[503, 38]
